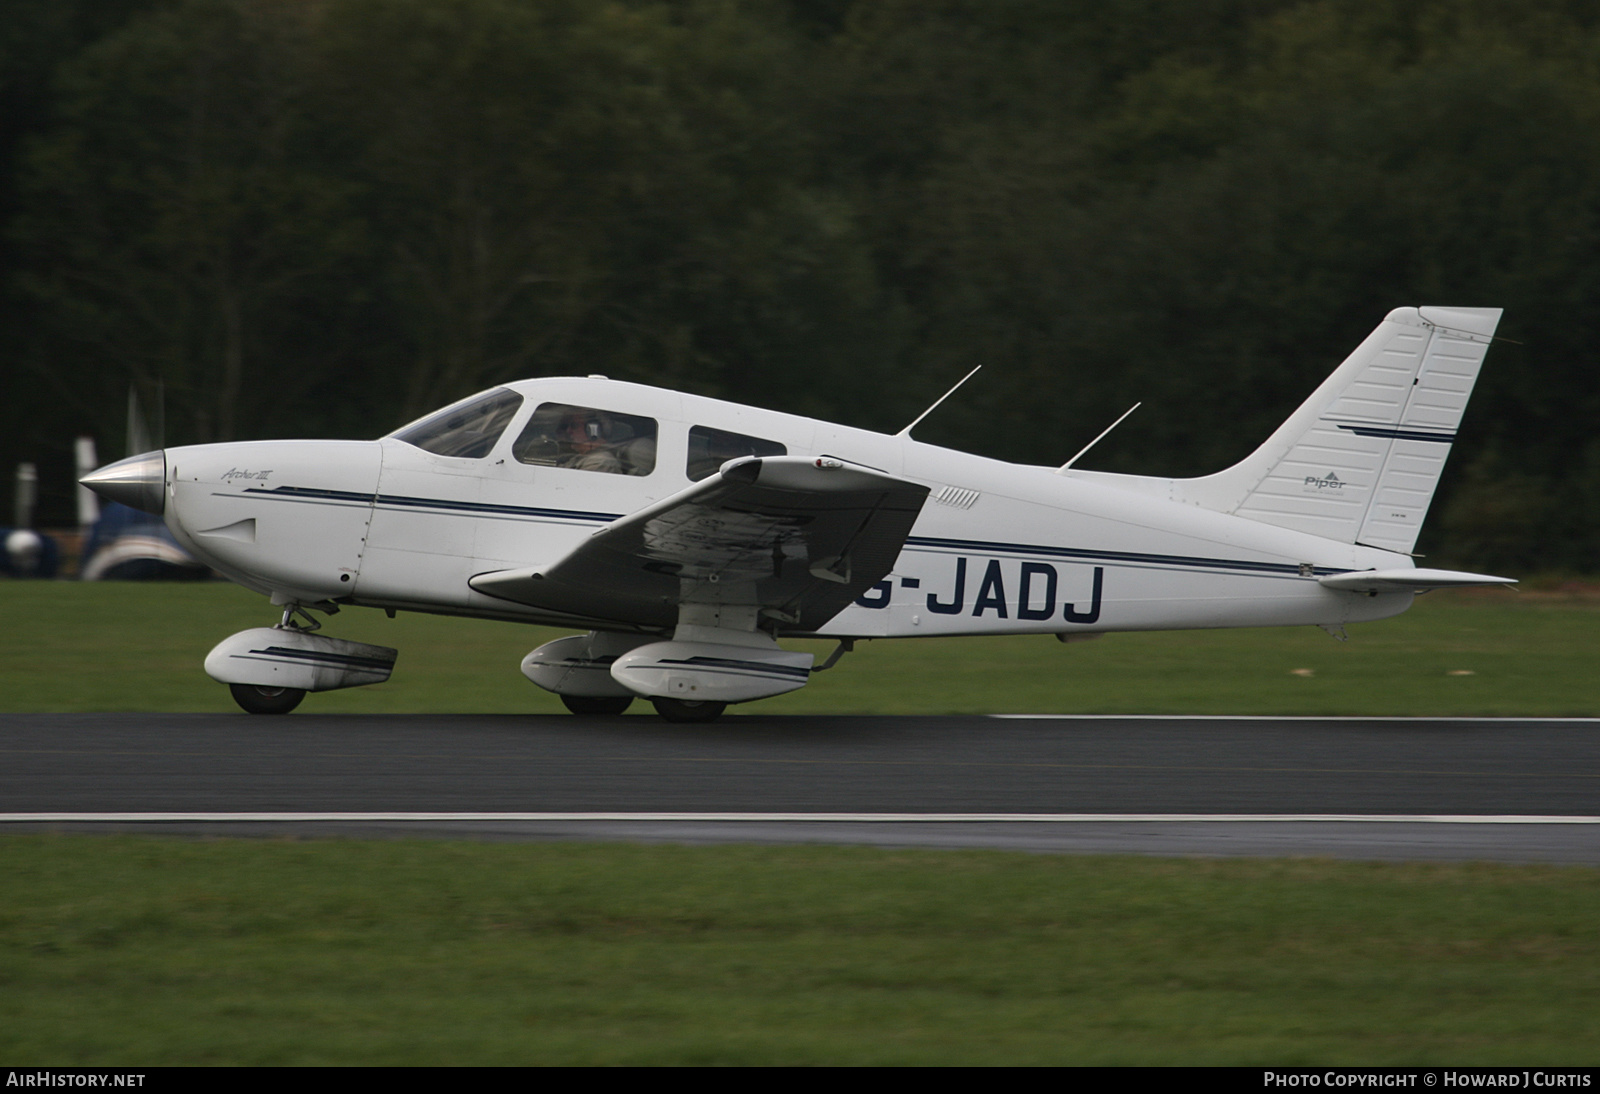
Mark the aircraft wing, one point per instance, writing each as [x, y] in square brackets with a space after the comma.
[799, 538]
[1399, 581]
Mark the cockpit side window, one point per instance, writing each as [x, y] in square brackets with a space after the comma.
[586, 438]
[710, 448]
[467, 431]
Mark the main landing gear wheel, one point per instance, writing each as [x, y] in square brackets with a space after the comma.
[261, 700]
[590, 705]
[689, 710]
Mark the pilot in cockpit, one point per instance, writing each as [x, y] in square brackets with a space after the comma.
[585, 446]
[586, 439]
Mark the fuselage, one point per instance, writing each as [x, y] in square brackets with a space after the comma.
[997, 548]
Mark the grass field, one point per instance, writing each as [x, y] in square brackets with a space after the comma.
[82, 647]
[135, 952]
[144, 951]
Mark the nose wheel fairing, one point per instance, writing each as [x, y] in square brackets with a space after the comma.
[283, 657]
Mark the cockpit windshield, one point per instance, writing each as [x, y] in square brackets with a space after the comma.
[468, 430]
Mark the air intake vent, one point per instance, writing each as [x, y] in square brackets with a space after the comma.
[955, 497]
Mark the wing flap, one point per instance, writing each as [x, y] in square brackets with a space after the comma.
[796, 538]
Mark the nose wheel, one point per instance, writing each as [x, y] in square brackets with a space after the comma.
[262, 700]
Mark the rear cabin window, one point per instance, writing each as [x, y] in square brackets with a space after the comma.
[467, 431]
[710, 448]
[586, 438]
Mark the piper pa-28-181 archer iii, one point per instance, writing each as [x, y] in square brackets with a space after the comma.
[685, 535]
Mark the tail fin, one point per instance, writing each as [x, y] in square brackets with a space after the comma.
[1359, 461]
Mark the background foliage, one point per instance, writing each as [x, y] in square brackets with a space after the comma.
[323, 217]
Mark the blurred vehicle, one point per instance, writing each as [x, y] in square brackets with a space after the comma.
[127, 545]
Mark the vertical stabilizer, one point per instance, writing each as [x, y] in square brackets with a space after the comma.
[1359, 461]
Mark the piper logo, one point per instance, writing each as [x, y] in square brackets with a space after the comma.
[1330, 481]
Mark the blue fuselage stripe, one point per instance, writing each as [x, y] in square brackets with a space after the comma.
[977, 547]
[966, 546]
[400, 501]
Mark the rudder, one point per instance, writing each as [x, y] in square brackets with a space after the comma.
[1359, 461]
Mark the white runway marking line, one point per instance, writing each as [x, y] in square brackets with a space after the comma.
[1285, 718]
[853, 818]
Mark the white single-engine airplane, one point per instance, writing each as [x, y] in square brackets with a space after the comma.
[685, 534]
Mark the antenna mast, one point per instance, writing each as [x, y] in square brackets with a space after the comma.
[1067, 466]
[906, 432]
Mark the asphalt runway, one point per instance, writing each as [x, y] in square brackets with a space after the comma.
[1505, 790]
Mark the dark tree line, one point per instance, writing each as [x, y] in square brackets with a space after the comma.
[323, 217]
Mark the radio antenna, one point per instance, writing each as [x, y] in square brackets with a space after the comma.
[906, 432]
[1066, 466]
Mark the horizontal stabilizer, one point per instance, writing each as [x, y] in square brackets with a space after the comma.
[1399, 581]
